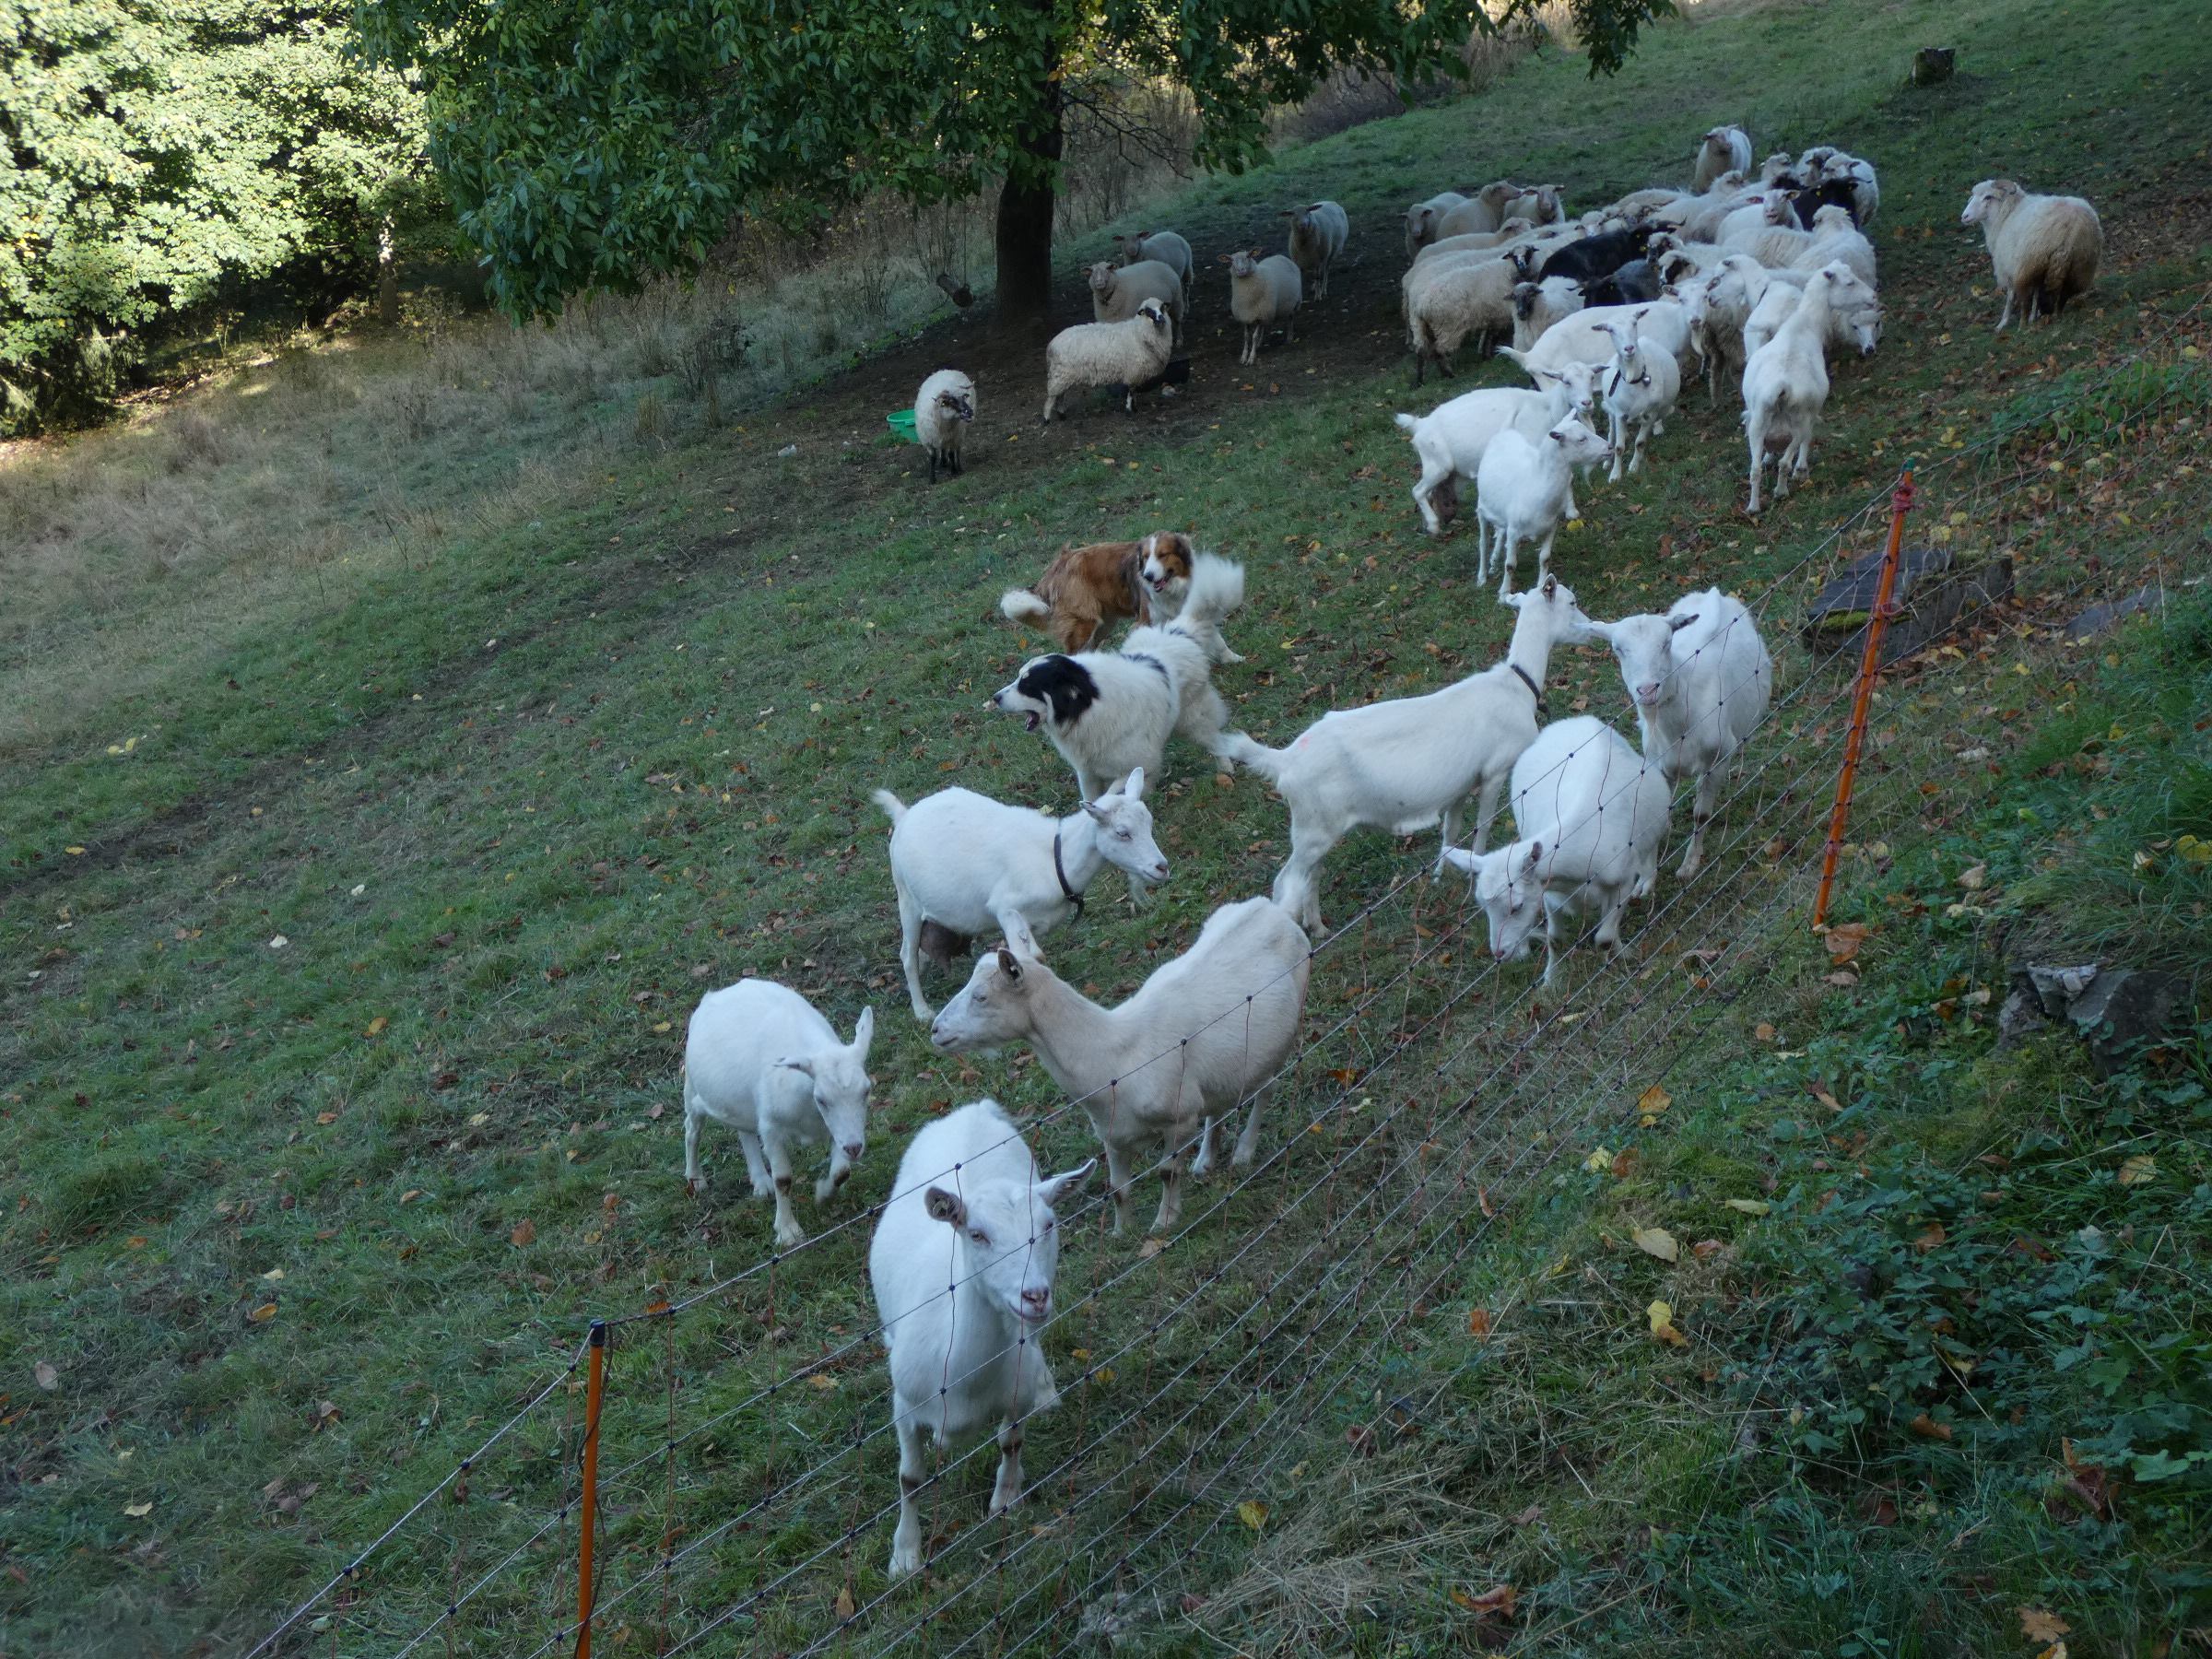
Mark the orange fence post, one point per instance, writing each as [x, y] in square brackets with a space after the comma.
[595, 1389]
[1877, 623]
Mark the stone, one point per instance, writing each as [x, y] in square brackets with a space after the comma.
[1931, 595]
[2104, 618]
[2124, 1011]
[1932, 66]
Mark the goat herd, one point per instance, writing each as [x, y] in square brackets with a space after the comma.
[1760, 273]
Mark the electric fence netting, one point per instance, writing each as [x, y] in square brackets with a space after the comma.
[689, 1478]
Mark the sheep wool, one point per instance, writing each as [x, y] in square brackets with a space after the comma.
[1130, 354]
[2044, 250]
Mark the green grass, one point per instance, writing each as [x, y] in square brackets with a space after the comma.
[580, 722]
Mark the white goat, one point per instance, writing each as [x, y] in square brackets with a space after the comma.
[1450, 439]
[1585, 336]
[2044, 250]
[966, 862]
[1409, 762]
[1855, 313]
[1786, 384]
[1640, 391]
[962, 1263]
[1202, 1035]
[1522, 490]
[1591, 813]
[1701, 678]
[760, 1059]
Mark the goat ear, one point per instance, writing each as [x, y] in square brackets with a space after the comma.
[1679, 623]
[1551, 587]
[1134, 786]
[802, 1063]
[1528, 860]
[1009, 966]
[945, 1206]
[864, 1033]
[1091, 809]
[1053, 1188]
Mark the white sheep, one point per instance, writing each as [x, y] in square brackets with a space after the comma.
[1512, 231]
[760, 1059]
[1700, 679]
[1855, 313]
[1865, 186]
[1546, 205]
[1589, 813]
[1700, 218]
[1538, 305]
[1202, 1035]
[1640, 391]
[1484, 210]
[1764, 226]
[1833, 238]
[1165, 246]
[1129, 354]
[1455, 298]
[1318, 233]
[943, 410]
[1718, 304]
[1786, 384]
[2044, 250]
[1117, 290]
[1581, 335]
[1522, 490]
[1263, 289]
[1423, 218]
[967, 861]
[962, 1263]
[1411, 762]
[1450, 439]
[1723, 149]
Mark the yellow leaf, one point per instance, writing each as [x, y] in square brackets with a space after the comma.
[845, 1604]
[662, 1026]
[1662, 1315]
[1253, 1514]
[1749, 1207]
[1150, 1248]
[274, 1274]
[262, 1314]
[2038, 1624]
[823, 1380]
[2138, 1170]
[1479, 1321]
[73, 852]
[326, 1117]
[1653, 1100]
[1657, 1241]
[410, 1195]
[477, 1119]
[2194, 850]
[1599, 1161]
[376, 1027]
[2057, 1649]
[136, 1510]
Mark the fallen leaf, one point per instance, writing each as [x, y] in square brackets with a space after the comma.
[822, 1380]
[845, 1605]
[1974, 879]
[1844, 939]
[262, 1314]
[2057, 1649]
[477, 1120]
[2038, 1624]
[1763, 1032]
[1840, 979]
[1927, 1428]
[1482, 1202]
[2138, 1170]
[1599, 1161]
[410, 1195]
[1657, 1241]
[1529, 1516]
[654, 1111]
[278, 942]
[1252, 1514]
[1498, 1599]
[1662, 1315]
[1150, 1248]
[1479, 1321]
[49, 1379]
[322, 1413]
[274, 1274]
[376, 1027]
[1705, 1248]
[326, 1117]
[1749, 1207]
[524, 1231]
[136, 1510]
[1653, 1101]
[1932, 1238]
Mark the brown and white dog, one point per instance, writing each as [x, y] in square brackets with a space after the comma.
[1086, 588]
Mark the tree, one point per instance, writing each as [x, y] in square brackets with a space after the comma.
[155, 154]
[589, 146]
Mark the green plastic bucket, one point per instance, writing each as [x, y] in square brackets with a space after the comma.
[901, 421]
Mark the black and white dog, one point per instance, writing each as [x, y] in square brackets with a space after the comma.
[1111, 711]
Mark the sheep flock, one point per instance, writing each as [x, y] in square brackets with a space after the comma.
[1760, 275]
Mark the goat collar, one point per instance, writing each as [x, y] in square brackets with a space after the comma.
[1060, 870]
[1535, 691]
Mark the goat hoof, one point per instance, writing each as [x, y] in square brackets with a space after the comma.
[696, 1185]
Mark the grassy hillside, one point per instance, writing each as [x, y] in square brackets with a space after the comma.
[358, 892]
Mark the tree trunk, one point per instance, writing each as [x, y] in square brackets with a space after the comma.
[1025, 202]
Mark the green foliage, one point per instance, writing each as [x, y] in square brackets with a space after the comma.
[588, 148]
[160, 155]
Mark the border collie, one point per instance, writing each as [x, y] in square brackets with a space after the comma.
[1111, 711]
[1086, 588]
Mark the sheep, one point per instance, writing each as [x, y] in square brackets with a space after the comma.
[1639, 392]
[1164, 246]
[1484, 210]
[966, 862]
[1700, 679]
[1262, 289]
[1785, 383]
[1590, 814]
[1108, 354]
[1204, 1033]
[1596, 256]
[2044, 250]
[1865, 189]
[1450, 439]
[972, 1351]
[1836, 237]
[1117, 290]
[1700, 218]
[1636, 282]
[1546, 205]
[758, 1058]
[1765, 227]
[1474, 241]
[1522, 490]
[1723, 149]
[1423, 218]
[1639, 203]
[1828, 193]
[1448, 302]
[1581, 337]
[1408, 762]
[1538, 305]
[943, 410]
[1854, 315]
[1318, 232]
[1718, 308]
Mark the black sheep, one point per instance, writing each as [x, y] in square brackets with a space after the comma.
[1596, 256]
[1828, 193]
[1633, 284]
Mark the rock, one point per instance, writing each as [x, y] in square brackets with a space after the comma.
[1932, 66]
[2102, 618]
[2125, 1010]
[2056, 988]
[2019, 1016]
[1930, 596]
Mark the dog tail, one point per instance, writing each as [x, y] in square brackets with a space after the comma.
[1406, 423]
[894, 808]
[1216, 589]
[1253, 757]
[1021, 605]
